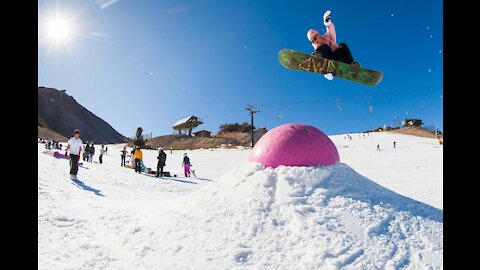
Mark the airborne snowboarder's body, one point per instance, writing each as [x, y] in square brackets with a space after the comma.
[326, 46]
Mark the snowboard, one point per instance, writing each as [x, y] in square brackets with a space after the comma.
[306, 62]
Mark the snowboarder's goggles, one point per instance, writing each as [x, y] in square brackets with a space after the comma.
[314, 38]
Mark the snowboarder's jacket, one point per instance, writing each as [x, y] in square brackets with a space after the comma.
[330, 39]
[138, 154]
[186, 160]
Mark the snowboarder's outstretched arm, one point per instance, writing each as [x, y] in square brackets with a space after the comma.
[327, 21]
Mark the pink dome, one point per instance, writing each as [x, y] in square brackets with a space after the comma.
[295, 145]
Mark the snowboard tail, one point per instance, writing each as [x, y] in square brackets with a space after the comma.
[306, 62]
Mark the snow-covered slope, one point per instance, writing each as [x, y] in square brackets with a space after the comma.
[240, 215]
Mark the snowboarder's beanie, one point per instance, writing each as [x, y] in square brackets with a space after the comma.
[311, 33]
[76, 131]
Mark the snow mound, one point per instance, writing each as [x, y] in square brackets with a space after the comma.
[295, 218]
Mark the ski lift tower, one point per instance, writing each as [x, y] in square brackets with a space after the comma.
[252, 111]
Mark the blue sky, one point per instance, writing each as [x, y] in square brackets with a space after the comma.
[150, 63]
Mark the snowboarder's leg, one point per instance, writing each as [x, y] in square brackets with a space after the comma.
[324, 51]
[161, 171]
[74, 164]
[343, 54]
[186, 170]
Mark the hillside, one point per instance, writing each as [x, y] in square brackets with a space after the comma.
[416, 131]
[61, 114]
[48, 133]
[221, 139]
[182, 142]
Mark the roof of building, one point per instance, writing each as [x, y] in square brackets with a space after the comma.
[182, 121]
[188, 122]
[202, 131]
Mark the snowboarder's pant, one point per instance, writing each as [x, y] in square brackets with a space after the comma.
[100, 158]
[342, 54]
[186, 170]
[159, 171]
[137, 165]
[74, 164]
[123, 161]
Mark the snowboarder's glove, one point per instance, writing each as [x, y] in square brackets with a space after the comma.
[326, 18]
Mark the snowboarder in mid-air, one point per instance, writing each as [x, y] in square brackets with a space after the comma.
[326, 46]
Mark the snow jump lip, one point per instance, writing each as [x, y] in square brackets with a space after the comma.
[295, 144]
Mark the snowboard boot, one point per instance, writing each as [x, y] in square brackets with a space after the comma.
[328, 76]
[316, 54]
[355, 65]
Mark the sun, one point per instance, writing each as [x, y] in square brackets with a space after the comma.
[58, 29]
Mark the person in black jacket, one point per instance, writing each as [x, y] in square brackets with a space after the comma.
[162, 157]
[123, 156]
[92, 152]
[87, 152]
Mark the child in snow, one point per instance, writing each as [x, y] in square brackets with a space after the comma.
[186, 165]
[326, 46]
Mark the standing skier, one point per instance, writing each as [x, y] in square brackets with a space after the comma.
[162, 157]
[92, 151]
[326, 46]
[186, 165]
[87, 152]
[74, 147]
[124, 155]
[102, 151]
[138, 159]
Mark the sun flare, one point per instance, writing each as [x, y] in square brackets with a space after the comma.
[58, 29]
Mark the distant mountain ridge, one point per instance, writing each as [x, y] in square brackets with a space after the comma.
[61, 113]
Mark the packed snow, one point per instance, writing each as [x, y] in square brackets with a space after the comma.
[373, 210]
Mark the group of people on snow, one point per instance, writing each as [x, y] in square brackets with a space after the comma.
[137, 161]
[50, 143]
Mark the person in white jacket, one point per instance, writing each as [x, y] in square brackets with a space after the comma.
[102, 151]
[74, 147]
